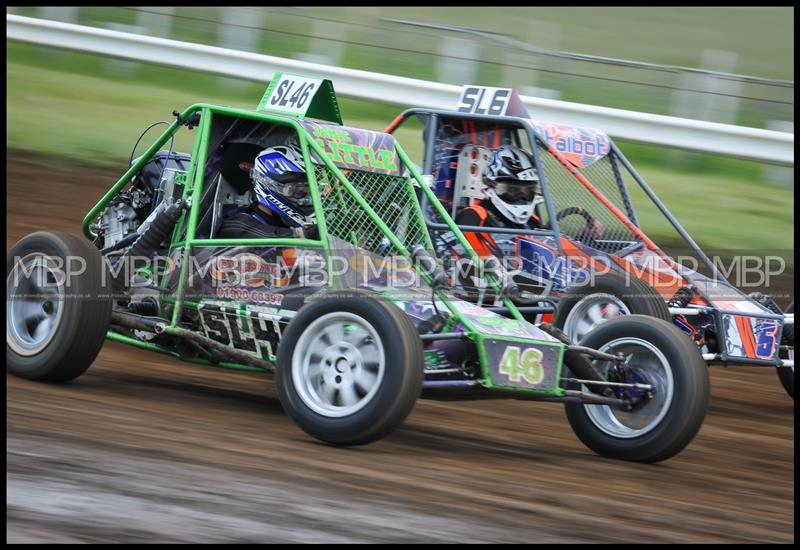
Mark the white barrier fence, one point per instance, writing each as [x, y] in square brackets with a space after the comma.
[695, 135]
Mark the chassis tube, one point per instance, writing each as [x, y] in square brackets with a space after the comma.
[667, 214]
[596, 354]
[443, 336]
[575, 396]
[224, 350]
[689, 310]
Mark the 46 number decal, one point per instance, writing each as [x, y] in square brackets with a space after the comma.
[293, 94]
[520, 365]
[283, 94]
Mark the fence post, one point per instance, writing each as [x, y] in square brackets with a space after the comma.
[779, 175]
[457, 71]
[238, 31]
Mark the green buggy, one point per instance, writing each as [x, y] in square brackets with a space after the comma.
[352, 314]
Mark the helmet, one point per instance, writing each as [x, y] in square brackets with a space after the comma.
[280, 183]
[511, 183]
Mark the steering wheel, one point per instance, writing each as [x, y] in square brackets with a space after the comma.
[591, 229]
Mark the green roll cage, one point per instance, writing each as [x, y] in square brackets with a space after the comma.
[193, 191]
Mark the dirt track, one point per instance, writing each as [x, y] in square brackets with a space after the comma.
[144, 448]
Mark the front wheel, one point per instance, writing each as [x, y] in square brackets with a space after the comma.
[660, 424]
[349, 368]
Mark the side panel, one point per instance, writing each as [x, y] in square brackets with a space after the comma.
[746, 337]
[253, 329]
[243, 297]
[272, 276]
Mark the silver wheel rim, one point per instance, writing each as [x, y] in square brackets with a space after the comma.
[35, 294]
[648, 362]
[338, 364]
[590, 312]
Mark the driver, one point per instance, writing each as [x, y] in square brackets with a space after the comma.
[512, 187]
[283, 204]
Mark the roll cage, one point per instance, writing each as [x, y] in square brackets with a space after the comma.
[353, 208]
[561, 181]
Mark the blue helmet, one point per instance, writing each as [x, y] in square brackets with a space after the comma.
[281, 185]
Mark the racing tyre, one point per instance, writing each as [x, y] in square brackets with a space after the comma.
[349, 368]
[659, 354]
[58, 309]
[786, 374]
[610, 295]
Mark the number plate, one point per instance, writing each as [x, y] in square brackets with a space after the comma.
[291, 94]
[523, 365]
[484, 101]
[481, 100]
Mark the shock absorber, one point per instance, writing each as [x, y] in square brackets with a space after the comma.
[157, 228]
[681, 297]
[766, 301]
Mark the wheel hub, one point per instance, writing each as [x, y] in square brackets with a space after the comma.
[645, 364]
[635, 397]
[338, 364]
[35, 293]
[591, 311]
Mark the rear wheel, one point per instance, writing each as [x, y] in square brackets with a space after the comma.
[349, 368]
[661, 424]
[610, 295]
[58, 307]
[786, 374]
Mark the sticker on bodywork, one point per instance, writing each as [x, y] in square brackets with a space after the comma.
[251, 330]
[581, 146]
[490, 323]
[544, 261]
[751, 337]
[523, 365]
[357, 149]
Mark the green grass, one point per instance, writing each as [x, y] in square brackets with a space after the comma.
[718, 212]
[762, 38]
[98, 119]
[78, 116]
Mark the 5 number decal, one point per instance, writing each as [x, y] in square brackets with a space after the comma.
[767, 340]
[526, 365]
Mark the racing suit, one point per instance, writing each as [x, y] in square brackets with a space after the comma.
[484, 214]
[255, 223]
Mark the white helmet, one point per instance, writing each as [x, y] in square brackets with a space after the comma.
[512, 184]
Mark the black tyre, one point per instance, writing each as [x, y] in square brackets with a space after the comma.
[349, 368]
[58, 309]
[786, 374]
[657, 428]
[608, 296]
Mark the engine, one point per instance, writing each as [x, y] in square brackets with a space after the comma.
[155, 183]
[123, 216]
[135, 224]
